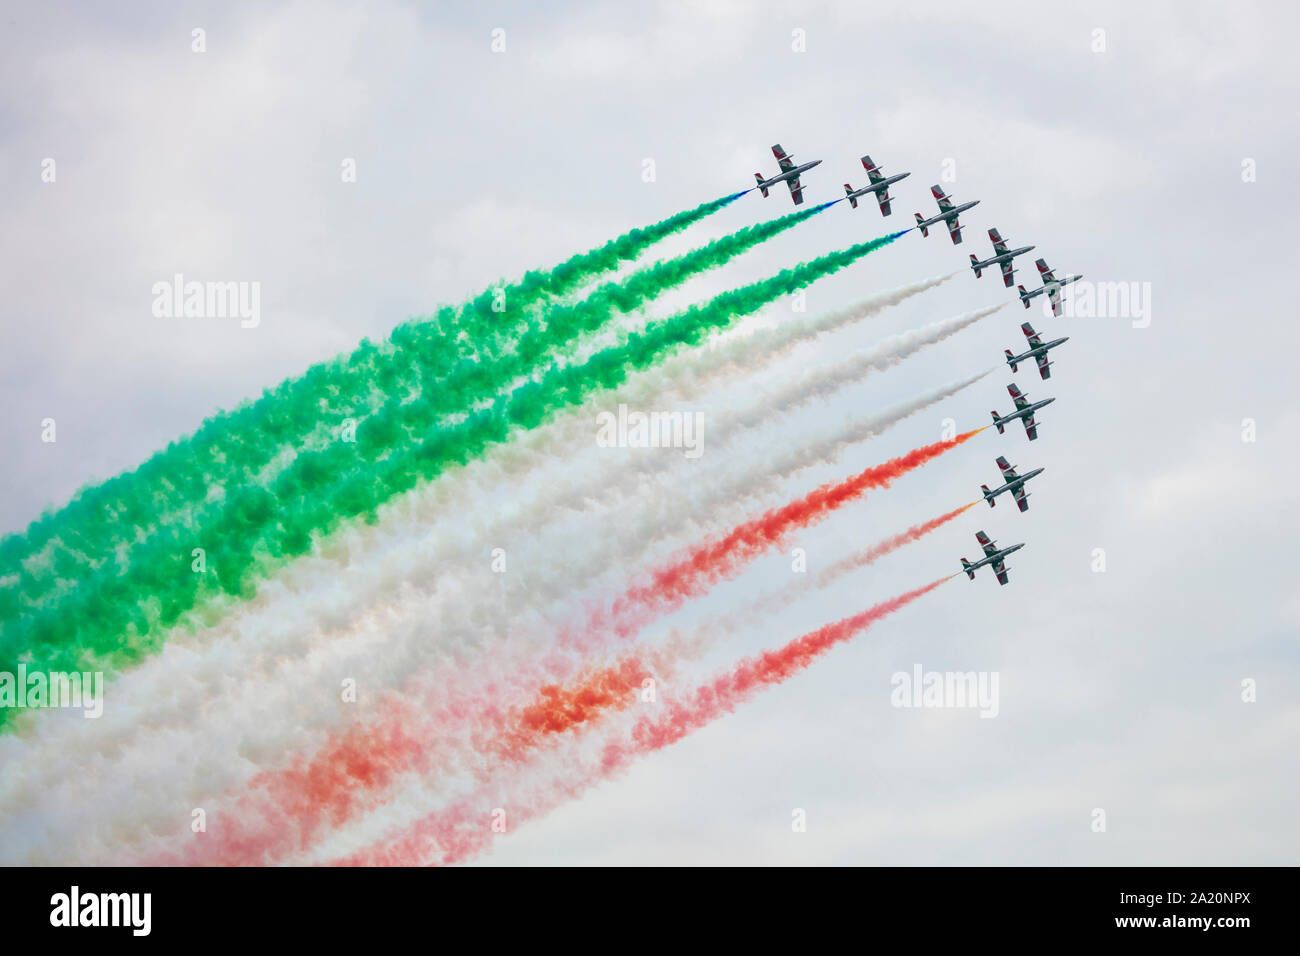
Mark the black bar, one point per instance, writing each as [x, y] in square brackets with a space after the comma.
[975, 905]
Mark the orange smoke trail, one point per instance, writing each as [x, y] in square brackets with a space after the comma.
[558, 709]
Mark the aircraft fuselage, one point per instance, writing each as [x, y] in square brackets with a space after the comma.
[877, 187]
[995, 556]
[1051, 284]
[1003, 257]
[1014, 483]
[1036, 351]
[952, 213]
[1024, 412]
[1057, 283]
[789, 174]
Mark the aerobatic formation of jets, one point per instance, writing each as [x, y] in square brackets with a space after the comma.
[1003, 257]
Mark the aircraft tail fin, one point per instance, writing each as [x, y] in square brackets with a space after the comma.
[998, 423]
[965, 566]
[919, 220]
[1014, 368]
[761, 188]
[853, 200]
[987, 496]
[974, 264]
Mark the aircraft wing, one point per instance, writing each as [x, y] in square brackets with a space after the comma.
[1000, 570]
[796, 190]
[1017, 396]
[1054, 296]
[1045, 272]
[999, 244]
[883, 196]
[1031, 427]
[1030, 335]
[873, 171]
[1022, 499]
[985, 542]
[941, 198]
[1008, 470]
[1043, 370]
[783, 158]
[1008, 270]
[954, 230]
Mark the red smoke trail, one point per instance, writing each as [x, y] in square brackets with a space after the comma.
[286, 809]
[894, 542]
[707, 563]
[464, 828]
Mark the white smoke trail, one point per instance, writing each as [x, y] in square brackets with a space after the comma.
[819, 383]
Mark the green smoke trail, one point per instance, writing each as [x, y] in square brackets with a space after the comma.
[442, 389]
[127, 617]
[87, 535]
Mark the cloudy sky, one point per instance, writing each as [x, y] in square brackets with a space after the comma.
[1142, 144]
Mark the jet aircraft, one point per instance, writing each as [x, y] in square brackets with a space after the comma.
[879, 185]
[1024, 411]
[1038, 350]
[993, 555]
[1002, 256]
[947, 213]
[789, 174]
[1013, 483]
[1051, 285]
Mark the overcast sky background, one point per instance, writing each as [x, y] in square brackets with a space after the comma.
[1119, 690]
